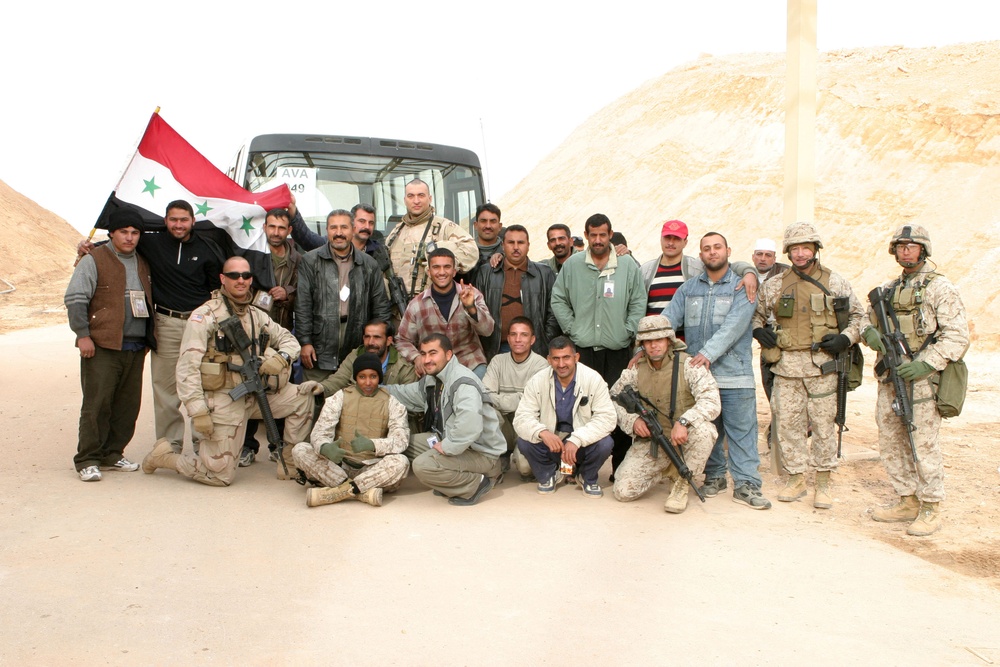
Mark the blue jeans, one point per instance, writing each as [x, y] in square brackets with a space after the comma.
[545, 463]
[738, 424]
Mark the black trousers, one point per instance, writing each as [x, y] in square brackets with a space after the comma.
[610, 364]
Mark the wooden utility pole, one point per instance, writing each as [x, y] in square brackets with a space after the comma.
[800, 113]
[800, 137]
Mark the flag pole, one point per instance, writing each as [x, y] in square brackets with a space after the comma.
[90, 237]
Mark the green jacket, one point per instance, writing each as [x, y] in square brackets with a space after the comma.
[399, 371]
[599, 309]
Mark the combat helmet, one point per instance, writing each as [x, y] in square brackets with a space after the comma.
[653, 327]
[911, 234]
[800, 232]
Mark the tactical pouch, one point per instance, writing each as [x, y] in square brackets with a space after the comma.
[786, 306]
[856, 372]
[213, 375]
[952, 384]
[770, 355]
[784, 340]
[822, 319]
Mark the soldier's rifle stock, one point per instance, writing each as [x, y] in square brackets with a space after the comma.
[896, 350]
[638, 404]
[252, 383]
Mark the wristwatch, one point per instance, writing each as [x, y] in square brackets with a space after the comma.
[284, 355]
[683, 422]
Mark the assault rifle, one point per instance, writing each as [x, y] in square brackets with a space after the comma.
[252, 383]
[895, 350]
[636, 403]
[397, 288]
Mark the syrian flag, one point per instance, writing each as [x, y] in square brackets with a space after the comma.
[165, 167]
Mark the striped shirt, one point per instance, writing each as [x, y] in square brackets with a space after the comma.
[662, 288]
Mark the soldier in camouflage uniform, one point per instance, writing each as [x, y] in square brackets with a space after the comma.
[817, 317]
[357, 444]
[204, 383]
[933, 320]
[697, 404]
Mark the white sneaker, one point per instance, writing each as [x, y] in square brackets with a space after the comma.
[91, 474]
[124, 465]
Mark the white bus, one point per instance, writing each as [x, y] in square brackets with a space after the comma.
[327, 172]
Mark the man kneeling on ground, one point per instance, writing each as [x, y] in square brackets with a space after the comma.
[458, 453]
[663, 376]
[357, 444]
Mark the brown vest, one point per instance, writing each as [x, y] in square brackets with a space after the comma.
[369, 416]
[107, 307]
[657, 385]
[811, 315]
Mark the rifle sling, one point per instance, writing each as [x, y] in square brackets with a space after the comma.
[673, 387]
[810, 279]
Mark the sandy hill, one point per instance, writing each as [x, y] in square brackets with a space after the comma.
[903, 135]
[38, 248]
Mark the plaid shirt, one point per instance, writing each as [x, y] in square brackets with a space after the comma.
[423, 317]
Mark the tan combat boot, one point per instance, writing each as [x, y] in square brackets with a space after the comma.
[324, 495]
[677, 501]
[794, 489]
[928, 520]
[162, 456]
[822, 500]
[905, 510]
[372, 496]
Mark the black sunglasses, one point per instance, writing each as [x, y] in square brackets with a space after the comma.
[236, 275]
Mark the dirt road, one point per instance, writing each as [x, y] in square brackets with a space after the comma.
[141, 569]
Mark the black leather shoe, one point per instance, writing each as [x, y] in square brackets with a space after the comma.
[481, 490]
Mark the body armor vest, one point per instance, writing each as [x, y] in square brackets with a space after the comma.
[215, 373]
[804, 313]
[657, 386]
[369, 416]
[906, 301]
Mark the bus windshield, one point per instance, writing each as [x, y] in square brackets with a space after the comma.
[323, 179]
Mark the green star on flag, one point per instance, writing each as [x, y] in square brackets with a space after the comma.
[247, 227]
[203, 208]
[151, 186]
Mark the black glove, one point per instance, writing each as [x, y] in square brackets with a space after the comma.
[766, 337]
[835, 343]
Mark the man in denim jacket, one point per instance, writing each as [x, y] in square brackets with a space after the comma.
[717, 331]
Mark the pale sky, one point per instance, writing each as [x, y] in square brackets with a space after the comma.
[81, 80]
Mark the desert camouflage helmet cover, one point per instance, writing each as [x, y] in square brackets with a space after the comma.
[654, 327]
[801, 232]
[911, 234]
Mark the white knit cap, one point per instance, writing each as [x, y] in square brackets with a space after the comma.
[766, 244]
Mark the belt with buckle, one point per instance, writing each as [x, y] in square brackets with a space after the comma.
[181, 315]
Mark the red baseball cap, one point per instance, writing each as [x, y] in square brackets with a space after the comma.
[675, 228]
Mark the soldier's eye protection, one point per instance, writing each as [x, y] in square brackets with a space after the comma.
[236, 275]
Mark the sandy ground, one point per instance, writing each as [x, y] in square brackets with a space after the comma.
[142, 569]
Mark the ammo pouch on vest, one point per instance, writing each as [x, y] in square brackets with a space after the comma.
[823, 315]
[213, 375]
[950, 387]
